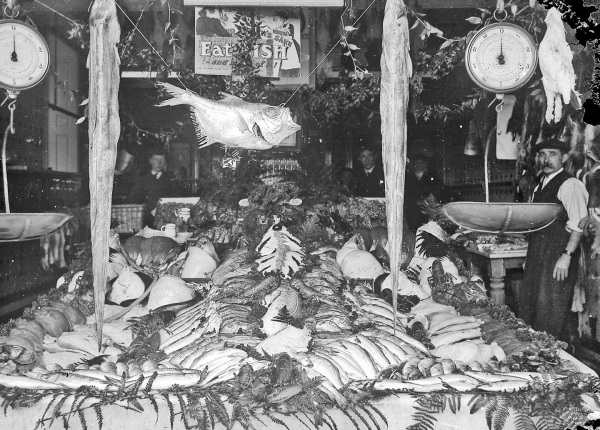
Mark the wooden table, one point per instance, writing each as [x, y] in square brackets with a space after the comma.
[496, 264]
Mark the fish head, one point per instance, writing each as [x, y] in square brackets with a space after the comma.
[274, 123]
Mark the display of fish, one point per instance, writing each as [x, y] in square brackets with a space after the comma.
[233, 122]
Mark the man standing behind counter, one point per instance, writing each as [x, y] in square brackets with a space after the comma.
[368, 179]
[152, 185]
[553, 252]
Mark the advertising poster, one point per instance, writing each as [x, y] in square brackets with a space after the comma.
[277, 52]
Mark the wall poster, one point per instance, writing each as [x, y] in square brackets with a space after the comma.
[277, 52]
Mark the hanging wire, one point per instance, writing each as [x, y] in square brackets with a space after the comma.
[58, 13]
[328, 53]
[11, 129]
[150, 44]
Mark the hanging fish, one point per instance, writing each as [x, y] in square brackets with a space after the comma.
[556, 64]
[233, 122]
[280, 252]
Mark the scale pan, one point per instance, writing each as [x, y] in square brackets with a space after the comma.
[502, 217]
[17, 227]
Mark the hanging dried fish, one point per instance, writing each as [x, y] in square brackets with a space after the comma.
[104, 130]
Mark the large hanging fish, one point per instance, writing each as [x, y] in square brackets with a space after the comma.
[104, 129]
[556, 64]
[232, 121]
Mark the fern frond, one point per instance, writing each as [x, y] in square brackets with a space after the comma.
[41, 420]
[478, 401]
[57, 408]
[183, 410]
[490, 408]
[303, 423]
[424, 419]
[137, 385]
[217, 408]
[171, 410]
[355, 410]
[82, 419]
[381, 415]
[65, 422]
[523, 421]
[366, 411]
[277, 421]
[99, 416]
[148, 386]
[501, 414]
[154, 405]
[331, 419]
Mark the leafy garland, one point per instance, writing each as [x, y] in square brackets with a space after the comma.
[545, 405]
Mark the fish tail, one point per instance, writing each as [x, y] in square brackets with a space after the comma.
[176, 92]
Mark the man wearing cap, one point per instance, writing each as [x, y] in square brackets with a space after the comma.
[553, 252]
[368, 179]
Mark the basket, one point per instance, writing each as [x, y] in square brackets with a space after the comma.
[129, 216]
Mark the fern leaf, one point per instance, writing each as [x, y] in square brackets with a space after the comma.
[378, 412]
[57, 408]
[171, 410]
[41, 420]
[183, 410]
[217, 408]
[73, 406]
[424, 419]
[99, 417]
[277, 421]
[137, 385]
[154, 405]
[549, 421]
[135, 404]
[331, 419]
[122, 385]
[82, 419]
[366, 411]
[65, 422]
[523, 421]
[150, 382]
[490, 409]
[356, 426]
[501, 414]
[327, 422]
[296, 415]
[478, 401]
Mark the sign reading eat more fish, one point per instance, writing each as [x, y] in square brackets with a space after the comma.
[277, 51]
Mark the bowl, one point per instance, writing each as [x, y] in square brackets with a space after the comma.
[502, 217]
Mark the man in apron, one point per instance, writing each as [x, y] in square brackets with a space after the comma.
[553, 252]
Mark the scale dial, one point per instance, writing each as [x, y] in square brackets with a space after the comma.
[501, 57]
[24, 56]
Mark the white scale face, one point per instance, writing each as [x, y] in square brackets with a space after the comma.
[501, 57]
[24, 56]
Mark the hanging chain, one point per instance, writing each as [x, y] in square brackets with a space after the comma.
[11, 128]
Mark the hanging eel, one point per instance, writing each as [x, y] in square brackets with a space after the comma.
[104, 129]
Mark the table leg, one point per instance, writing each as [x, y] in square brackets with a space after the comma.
[497, 274]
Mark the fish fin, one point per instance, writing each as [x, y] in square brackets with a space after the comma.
[202, 137]
[248, 141]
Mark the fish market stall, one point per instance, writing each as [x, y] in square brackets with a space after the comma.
[276, 312]
[285, 335]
